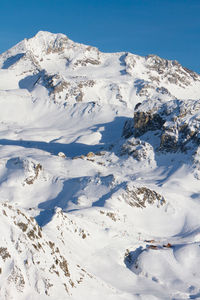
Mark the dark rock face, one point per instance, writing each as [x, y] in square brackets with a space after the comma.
[177, 121]
[128, 128]
[168, 141]
[146, 121]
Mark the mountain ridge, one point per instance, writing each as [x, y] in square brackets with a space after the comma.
[133, 76]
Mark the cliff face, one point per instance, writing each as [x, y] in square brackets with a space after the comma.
[177, 121]
[175, 124]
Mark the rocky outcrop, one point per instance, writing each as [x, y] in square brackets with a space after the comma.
[170, 70]
[138, 149]
[146, 121]
[141, 196]
[177, 123]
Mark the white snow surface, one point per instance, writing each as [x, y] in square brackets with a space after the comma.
[84, 212]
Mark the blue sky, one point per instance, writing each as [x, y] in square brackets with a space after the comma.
[168, 28]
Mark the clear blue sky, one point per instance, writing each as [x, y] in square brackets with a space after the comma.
[168, 28]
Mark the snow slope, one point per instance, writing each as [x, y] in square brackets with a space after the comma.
[99, 174]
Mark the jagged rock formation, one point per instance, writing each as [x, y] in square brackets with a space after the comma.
[176, 121]
[141, 196]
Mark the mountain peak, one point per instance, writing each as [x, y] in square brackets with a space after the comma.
[62, 60]
[45, 41]
[46, 36]
[44, 33]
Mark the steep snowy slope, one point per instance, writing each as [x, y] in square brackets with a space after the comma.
[99, 174]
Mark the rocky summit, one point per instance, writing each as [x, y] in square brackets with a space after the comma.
[99, 174]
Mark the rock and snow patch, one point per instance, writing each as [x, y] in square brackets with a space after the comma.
[176, 121]
[140, 196]
[26, 170]
[140, 150]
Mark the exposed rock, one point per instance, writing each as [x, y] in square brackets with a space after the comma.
[79, 97]
[140, 150]
[140, 196]
[36, 168]
[128, 128]
[86, 83]
[87, 61]
[4, 253]
[61, 154]
[60, 87]
[177, 121]
[90, 154]
[168, 245]
[146, 121]
[170, 70]
[26, 169]
[57, 46]
[17, 279]
[153, 247]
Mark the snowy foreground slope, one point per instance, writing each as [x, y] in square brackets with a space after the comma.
[99, 174]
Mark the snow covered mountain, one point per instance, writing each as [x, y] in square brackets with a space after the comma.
[99, 174]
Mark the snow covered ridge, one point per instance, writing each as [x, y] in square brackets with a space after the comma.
[99, 174]
[72, 72]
